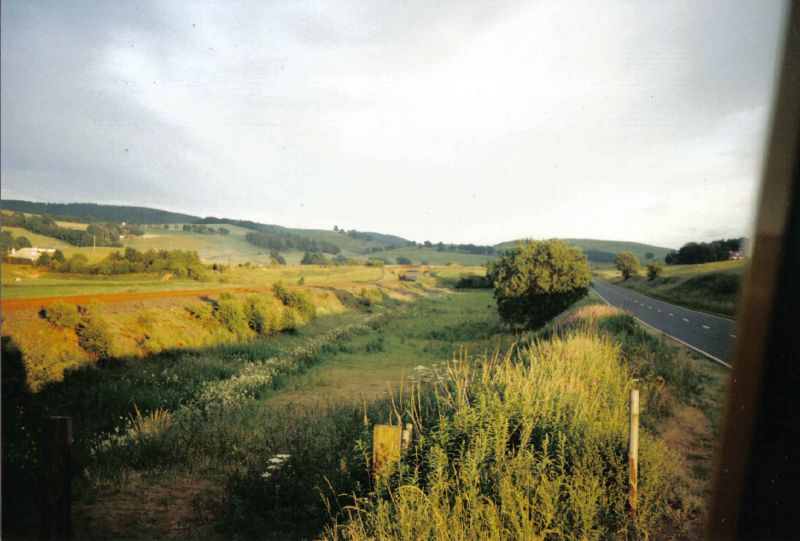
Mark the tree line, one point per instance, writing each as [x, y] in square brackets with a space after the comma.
[705, 252]
[181, 263]
[290, 241]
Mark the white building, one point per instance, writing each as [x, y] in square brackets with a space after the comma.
[31, 253]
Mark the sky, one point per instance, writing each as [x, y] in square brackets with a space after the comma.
[461, 121]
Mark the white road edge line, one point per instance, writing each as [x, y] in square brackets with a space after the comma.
[706, 327]
[686, 320]
[698, 350]
[671, 314]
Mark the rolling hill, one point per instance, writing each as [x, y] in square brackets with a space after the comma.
[234, 247]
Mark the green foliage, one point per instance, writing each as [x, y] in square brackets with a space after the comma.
[202, 311]
[101, 234]
[314, 258]
[537, 280]
[62, 314]
[403, 260]
[291, 319]
[94, 335]
[181, 263]
[262, 316]
[230, 314]
[300, 300]
[473, 281]
[654, 270]
[627, 263]
[276, 258]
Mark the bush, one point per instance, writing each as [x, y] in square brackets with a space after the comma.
[537, 280]
[62, 314]
[300, 300]
[654, 270]
[230, 314]
[262, 317]
[202, 311]
[402, 260]
[627, 263]
[291, 319]
[473, 281]
[94, 335]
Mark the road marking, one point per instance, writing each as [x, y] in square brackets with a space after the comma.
[698, 350]
[659, 310]
[686, 320]
[649, 307]
[671, 314]
[706, 327]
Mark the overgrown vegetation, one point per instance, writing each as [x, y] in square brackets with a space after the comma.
[705, 252]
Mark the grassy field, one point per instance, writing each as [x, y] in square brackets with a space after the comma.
[709, 287]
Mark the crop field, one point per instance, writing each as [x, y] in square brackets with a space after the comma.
[709, 287]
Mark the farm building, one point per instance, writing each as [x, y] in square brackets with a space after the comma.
[31, 253]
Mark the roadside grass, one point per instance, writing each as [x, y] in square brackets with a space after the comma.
[709, 287]
[528, 443]
[281, 426]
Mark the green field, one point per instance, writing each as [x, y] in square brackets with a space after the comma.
[709, 287]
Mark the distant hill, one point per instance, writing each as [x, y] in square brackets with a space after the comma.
[604, 251]
[95, 212]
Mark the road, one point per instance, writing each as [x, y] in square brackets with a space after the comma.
[710, 335]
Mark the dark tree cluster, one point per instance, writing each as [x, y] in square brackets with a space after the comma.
[205, 230]
[88, 212]
[704, 252]
[7, 241]
[290, 241]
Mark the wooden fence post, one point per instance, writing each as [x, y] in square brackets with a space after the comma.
[56, 498]
[633, 451]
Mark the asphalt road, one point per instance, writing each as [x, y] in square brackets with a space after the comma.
[710, 335]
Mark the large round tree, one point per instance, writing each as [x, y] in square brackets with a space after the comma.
[537, 280]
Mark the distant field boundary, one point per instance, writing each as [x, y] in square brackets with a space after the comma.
[37, 302]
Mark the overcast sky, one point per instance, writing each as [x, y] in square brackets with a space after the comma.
[453, 121]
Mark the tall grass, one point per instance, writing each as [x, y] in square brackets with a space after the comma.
[530, 445]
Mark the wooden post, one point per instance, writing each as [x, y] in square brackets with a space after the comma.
[633, 451]
[56, 500]
[406, 438]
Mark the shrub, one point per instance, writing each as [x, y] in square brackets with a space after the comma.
[627, 263]
[537, 280]
[473, 281]
[202, 311]
[62, 314]
[654, 270]
[300, 300]
[230, 314]
[291, 319]
[94, 335]
[402, 260]
[261, 317]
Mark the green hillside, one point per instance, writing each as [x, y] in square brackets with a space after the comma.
[603, 251]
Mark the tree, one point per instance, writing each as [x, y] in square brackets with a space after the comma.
[403, 260]
[627, 263]
[22, 242]
[313, 258]
[537, 280]
[654, 270]
[649, 255]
